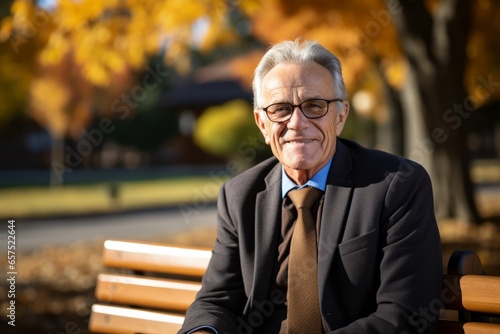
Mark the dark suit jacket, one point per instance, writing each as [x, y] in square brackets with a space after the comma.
[379, 260]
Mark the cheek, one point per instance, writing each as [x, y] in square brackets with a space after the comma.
[329, 130]
[275, 132]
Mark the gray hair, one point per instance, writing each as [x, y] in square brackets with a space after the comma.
[298, 51]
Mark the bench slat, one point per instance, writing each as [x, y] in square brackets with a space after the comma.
[455, 327]
[481, 293]
[112, 319]
[156, 258]
[476, 293]
[169, 294]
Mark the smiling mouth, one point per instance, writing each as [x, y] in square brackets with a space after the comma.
[299, 141]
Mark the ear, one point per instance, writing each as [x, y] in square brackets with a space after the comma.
[342, 117]
[260, 120]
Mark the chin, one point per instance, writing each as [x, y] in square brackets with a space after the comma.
[300, 165]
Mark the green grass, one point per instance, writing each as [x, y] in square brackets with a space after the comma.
[28, 202]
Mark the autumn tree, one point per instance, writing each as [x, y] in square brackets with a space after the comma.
[87, 49]
[431, 72]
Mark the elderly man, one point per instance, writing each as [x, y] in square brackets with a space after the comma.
[326, 236]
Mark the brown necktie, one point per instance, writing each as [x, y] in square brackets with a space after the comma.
[303, 302]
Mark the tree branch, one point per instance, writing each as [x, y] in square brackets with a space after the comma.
[451, 32]
[415, 27]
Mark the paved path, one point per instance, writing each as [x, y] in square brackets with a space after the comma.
[33, 234]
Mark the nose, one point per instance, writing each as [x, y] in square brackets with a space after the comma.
[298, 119]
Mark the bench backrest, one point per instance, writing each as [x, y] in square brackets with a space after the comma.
[471, 295]
[151, 286]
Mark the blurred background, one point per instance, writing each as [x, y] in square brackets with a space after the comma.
[122, 118]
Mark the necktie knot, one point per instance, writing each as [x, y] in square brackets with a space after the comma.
[305, 197]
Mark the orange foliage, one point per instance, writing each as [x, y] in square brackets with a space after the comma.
[361, 31]
[356, 31]
[84, 46]
[107, 37]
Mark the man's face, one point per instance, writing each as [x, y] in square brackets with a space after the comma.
[302, 145]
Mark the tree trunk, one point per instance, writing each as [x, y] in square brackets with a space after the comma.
[435, 101]
[57, 155]
[390, 134]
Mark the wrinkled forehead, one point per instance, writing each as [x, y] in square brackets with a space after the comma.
[293, 80]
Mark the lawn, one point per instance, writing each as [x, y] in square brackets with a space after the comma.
[107, 197]
[26, 202]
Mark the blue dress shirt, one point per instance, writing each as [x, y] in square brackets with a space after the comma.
[317, 181]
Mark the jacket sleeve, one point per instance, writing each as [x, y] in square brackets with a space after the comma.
[222, 296]
[408, 296]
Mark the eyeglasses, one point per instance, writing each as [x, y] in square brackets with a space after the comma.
[282, 112]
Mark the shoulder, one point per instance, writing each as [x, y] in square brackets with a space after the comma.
[360, 153]
[255, 177]
[372, 163]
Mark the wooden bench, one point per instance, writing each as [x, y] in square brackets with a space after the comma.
[472, 297]
[149, 287]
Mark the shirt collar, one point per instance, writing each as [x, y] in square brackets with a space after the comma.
[318, 180]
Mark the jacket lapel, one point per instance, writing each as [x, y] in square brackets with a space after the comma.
[267, 216]
[338, 195]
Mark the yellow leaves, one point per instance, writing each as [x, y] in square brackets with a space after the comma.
[105, 37]
[395, 72]
[355, 31]
[48, 102]
[73, 15]
[55, 50]
[178, 18]
[249, 7]
[21, 7]
[60, 108]
[5, 28]
[21, 11]
[95, 53]
[179, 13]
[22, 14]
[96, 72]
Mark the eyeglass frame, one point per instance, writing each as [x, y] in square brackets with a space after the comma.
[328, 101]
